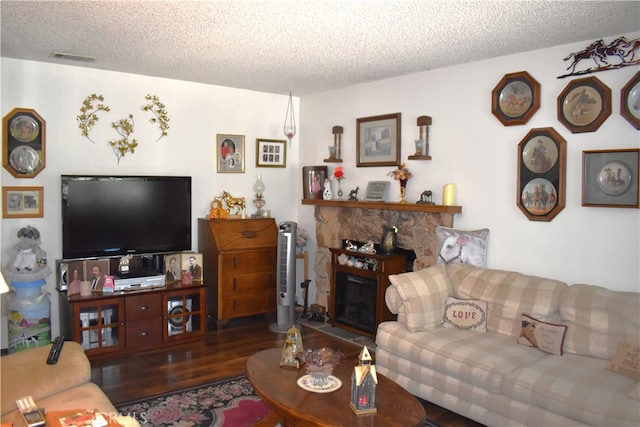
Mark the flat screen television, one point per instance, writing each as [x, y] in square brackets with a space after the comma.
[108, 216]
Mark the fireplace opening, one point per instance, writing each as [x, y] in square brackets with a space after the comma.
[355, 301]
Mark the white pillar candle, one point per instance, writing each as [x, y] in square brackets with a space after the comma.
[449, 194]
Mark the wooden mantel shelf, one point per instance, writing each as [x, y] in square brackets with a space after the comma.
[413, 207]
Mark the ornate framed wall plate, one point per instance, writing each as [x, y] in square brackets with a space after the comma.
[515, 99]
[610, 178]
[378, 140]
[23, 143]
[542, 157]
[630, 101]
[230, 149]
[584, 105]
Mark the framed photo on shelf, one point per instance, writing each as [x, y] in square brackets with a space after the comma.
[584, 105]
[376, 191]
[515, 99]
[313, 181]
[542, 157]
[378, 140]
[22, 202]
[610, 178]
[172, 268]
[191, 262]
[271, 153]
[230, 149]
[630, 101]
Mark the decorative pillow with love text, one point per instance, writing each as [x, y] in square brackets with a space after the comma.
[547, 337]
[465, 314]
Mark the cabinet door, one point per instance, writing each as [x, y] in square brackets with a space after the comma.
[99, 326]
[184, 315]
[144, 320]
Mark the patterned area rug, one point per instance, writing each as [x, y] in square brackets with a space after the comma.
[229, 403]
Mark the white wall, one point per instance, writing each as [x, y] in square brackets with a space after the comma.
[197, 113]
[471, 148]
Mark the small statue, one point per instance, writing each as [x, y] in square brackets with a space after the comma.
[350, 246]
[367, 248]
[27, 261]
[327, 194]
[425, 198]
[217, 211]
[353, 194]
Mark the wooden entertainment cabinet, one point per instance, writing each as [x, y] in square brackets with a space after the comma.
[368, 289]
[127, 322]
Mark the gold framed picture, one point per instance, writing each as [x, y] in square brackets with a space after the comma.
[22, 202]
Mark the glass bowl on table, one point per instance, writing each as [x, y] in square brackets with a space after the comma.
[319, 365]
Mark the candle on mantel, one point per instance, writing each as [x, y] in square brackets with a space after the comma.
[449, 194]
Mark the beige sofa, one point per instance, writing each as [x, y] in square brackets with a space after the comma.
[65, 385]
[490, 376]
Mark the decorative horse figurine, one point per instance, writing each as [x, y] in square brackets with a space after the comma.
[234, 202]
[217, 211]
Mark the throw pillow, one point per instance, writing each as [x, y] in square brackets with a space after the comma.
[626, 361]
[547, 337]
[466, 314]
[423, 293]
[458, 246]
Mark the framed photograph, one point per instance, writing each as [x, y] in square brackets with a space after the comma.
[376, 191]
[515, 99]
[230, 150]
[192, 262]
[23, 143]
[630, 101]
[584, 105]
[22, 202]
[542, 159]
[610, 178]
[378, 140]
[313, 181]
[271, 153]
[172, 267]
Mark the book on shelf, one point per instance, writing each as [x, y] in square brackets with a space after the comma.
[84, 418]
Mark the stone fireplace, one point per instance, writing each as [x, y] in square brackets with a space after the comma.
[363, 221]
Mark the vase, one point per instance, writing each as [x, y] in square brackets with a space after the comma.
[403, 189]
[389, 240]
[326, 193]
[29, 316]
[340, 193]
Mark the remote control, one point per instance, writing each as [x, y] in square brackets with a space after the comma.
[54, 354]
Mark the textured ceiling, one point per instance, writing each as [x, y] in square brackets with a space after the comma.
[308, 46]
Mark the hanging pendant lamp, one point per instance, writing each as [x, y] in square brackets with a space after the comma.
[289, 128]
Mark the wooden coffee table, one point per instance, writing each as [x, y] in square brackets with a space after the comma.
[294, 406]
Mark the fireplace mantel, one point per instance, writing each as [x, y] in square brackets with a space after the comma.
[363, 221]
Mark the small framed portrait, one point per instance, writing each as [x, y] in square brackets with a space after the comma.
[22, 202]
[515, 99]
[630, 101]
[191, 263]
[542, 155]
[376, 191]
[271, 153]
[313, 181]
[378, 140]
[230, 152]
[610, 178]
[584, 105]
[172, 268]
[75, 276]
[96, 271]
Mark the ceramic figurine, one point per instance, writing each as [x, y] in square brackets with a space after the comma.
[326, 193]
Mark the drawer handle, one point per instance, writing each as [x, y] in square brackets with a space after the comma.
[235, 262]
[144, 307]
[235, 285]
[144, 333]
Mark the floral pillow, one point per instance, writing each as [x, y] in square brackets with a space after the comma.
[458, 246]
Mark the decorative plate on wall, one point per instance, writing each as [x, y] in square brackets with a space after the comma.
[584, 105]
[630, 101]
[515, 99]
[23, 143]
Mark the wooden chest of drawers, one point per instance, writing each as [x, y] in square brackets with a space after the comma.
[239, 260]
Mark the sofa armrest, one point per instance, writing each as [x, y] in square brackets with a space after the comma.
[26, 373]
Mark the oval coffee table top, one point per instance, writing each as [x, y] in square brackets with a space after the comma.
[279, 389]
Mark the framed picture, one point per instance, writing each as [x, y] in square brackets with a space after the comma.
[376, 191]
[515, 99]
[542, 157]
[378, 140]
[271, 153]
[630, 101]
[313, 181]
[22, 202]
[191, 262]
[172, 267]
[584, 105]
[23, 143]
[610, 178]
[230, 150]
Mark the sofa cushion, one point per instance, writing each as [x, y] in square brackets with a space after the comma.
[577, 386]
[478, 359]
[509, 294]
[422, 294]
[465, 314]
[598, 318]
[547, 337]
[460, 246]
[626, 361]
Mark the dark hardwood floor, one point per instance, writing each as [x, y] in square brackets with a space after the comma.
[217, 356]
